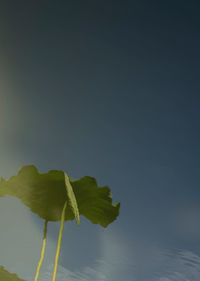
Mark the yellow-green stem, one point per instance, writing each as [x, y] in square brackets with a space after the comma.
[42, 253]
[59, 243]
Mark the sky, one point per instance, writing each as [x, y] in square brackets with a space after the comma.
[108, 89]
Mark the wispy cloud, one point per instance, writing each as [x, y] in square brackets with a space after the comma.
[178, 266]
[87, 274]
[169, 266]
[137, 262]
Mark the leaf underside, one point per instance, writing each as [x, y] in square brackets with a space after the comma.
[46, 193]
[72, 199]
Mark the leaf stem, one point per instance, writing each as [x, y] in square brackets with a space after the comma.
[55, 269]
[42, 253]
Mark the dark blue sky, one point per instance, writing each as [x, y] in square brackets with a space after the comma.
[109, 89]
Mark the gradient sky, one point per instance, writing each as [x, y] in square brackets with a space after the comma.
[109, 89]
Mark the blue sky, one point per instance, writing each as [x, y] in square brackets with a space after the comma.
[108, 89]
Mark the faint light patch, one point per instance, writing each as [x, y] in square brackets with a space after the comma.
[117, 256]
[114, 264]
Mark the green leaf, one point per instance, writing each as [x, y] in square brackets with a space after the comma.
[46, 193]
[95, 203]
[2, 190]
[7, 276]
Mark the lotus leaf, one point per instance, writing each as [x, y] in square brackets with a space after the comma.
[46, 193]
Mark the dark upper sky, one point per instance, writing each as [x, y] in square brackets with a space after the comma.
[109, 89]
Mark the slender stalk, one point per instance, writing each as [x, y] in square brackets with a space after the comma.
[42, 253]
[55, 269]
